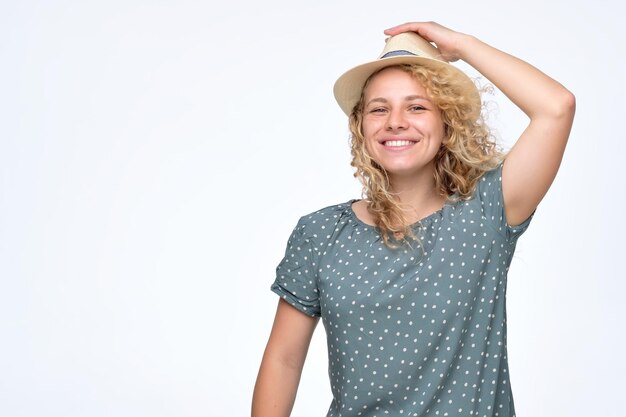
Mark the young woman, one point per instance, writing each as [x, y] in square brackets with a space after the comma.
[410, 282]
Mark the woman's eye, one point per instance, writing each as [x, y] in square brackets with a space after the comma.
[417, 108]
[377, 110]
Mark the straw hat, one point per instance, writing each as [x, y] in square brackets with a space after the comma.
[404, 48]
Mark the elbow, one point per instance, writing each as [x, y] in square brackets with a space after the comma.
[569, 103]
[559, 105]
[565, 105]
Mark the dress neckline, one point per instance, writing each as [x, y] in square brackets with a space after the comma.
[427, 219]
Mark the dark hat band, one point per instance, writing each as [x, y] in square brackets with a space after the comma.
[397, 53]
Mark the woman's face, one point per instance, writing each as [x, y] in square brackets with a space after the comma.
[402, 127]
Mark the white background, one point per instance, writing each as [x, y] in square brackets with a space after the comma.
[155, 156]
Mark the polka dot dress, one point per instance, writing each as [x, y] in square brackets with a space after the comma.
[415, 331]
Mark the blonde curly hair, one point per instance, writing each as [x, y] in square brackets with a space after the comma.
[467, 152]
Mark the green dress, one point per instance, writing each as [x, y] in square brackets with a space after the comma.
[414, 331]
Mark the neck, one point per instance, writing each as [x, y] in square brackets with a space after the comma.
[418, 193]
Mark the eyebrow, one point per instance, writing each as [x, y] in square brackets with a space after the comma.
[407, 98]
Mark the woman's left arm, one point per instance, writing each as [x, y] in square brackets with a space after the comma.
[532, 163]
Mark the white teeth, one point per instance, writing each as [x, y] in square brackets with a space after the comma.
[398, 142]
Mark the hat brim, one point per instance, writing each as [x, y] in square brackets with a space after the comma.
[348, 87]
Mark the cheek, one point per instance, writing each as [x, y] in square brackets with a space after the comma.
[368, 141]
[368, 147]
[369, 128]
[366, 127]
[434, 126]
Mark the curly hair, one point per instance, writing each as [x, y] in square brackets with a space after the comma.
[468, 151]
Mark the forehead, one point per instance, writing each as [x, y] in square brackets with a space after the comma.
[393, 80]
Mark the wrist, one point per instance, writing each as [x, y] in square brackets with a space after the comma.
[464, 46]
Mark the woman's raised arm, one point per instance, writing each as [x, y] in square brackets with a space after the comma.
[532, 163]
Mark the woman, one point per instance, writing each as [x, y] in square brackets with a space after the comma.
[410, 282]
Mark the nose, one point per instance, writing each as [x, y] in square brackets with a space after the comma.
[396, 120]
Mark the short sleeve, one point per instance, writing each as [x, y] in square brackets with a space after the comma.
[489, 191]
[296, 274]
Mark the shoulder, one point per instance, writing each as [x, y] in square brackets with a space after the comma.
[321, 227]
[361, 211]
[324, 218]
[493, 173]
[489, 179]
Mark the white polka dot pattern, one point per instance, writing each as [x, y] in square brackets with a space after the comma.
[411, 331]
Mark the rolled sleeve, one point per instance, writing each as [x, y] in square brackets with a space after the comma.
[296, 276]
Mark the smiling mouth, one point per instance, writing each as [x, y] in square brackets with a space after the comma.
[399, 143]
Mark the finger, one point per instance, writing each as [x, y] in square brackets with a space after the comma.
[405, 27]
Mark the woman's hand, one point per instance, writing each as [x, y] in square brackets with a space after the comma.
[447, 41]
